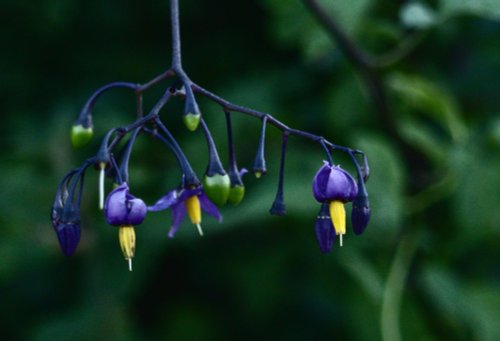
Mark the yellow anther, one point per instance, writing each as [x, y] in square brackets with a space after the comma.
[126, 235]
[193, 209]
[337, 213]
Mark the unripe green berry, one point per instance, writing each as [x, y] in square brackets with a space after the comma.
[236, 194]
[217, 188]
[80, 136]
[191, 121]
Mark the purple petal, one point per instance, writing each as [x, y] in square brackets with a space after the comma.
[165, 202]
[178, 213]
[115, 207]
[209, 207]
[186, 193]
[341, 185]
[334, 183]
[320, 183]
[137, 211]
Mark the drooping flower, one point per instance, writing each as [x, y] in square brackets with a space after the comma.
[124, 210]
[190, 201]
[335, 186]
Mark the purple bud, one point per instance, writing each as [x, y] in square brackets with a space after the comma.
[333, 183]
[123, 209]
[325, 233]
[65, 216]
[66, 223]
[360, 215]
[69, 236]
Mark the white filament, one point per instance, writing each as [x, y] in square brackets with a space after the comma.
[130, 264]
[200, 231]
[101, 186]
[341, 239]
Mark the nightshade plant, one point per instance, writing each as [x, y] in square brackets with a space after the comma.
[332, 186]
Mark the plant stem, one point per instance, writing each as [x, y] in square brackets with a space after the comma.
[176, 36]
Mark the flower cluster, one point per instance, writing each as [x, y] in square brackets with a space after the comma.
[332, 186]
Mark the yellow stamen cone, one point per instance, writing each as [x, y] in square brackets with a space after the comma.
[126, 235]
[193, 209]
[337, 213]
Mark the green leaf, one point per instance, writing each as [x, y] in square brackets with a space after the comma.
[417, 15]
[427, 98]
[487, 309]
[484, 8]
[420, 136]
[295, 26]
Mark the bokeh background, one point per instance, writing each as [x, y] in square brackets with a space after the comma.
[427, 268]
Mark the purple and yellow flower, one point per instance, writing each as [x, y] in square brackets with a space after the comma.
[124, 210]
[190, 201]
[334, 186]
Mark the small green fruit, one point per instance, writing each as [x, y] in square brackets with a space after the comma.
[217, 188]
[191, 121]
[80, 136]
[236, 194]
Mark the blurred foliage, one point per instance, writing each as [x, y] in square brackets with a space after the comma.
[427, 266]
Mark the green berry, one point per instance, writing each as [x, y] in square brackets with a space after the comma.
[80, 136]
[191, 121]
[217, 188]
[236, 194]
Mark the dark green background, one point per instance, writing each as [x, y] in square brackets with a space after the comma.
[427, 267]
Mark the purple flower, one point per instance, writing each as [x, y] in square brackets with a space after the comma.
[332, 183]
[123, 209]
[333, 186]
[190, 201]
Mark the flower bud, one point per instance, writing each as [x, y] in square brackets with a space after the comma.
[80, 135]
[360, 214]
[325, 233]
[66, 223]
[65, 215]
[217, 188]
